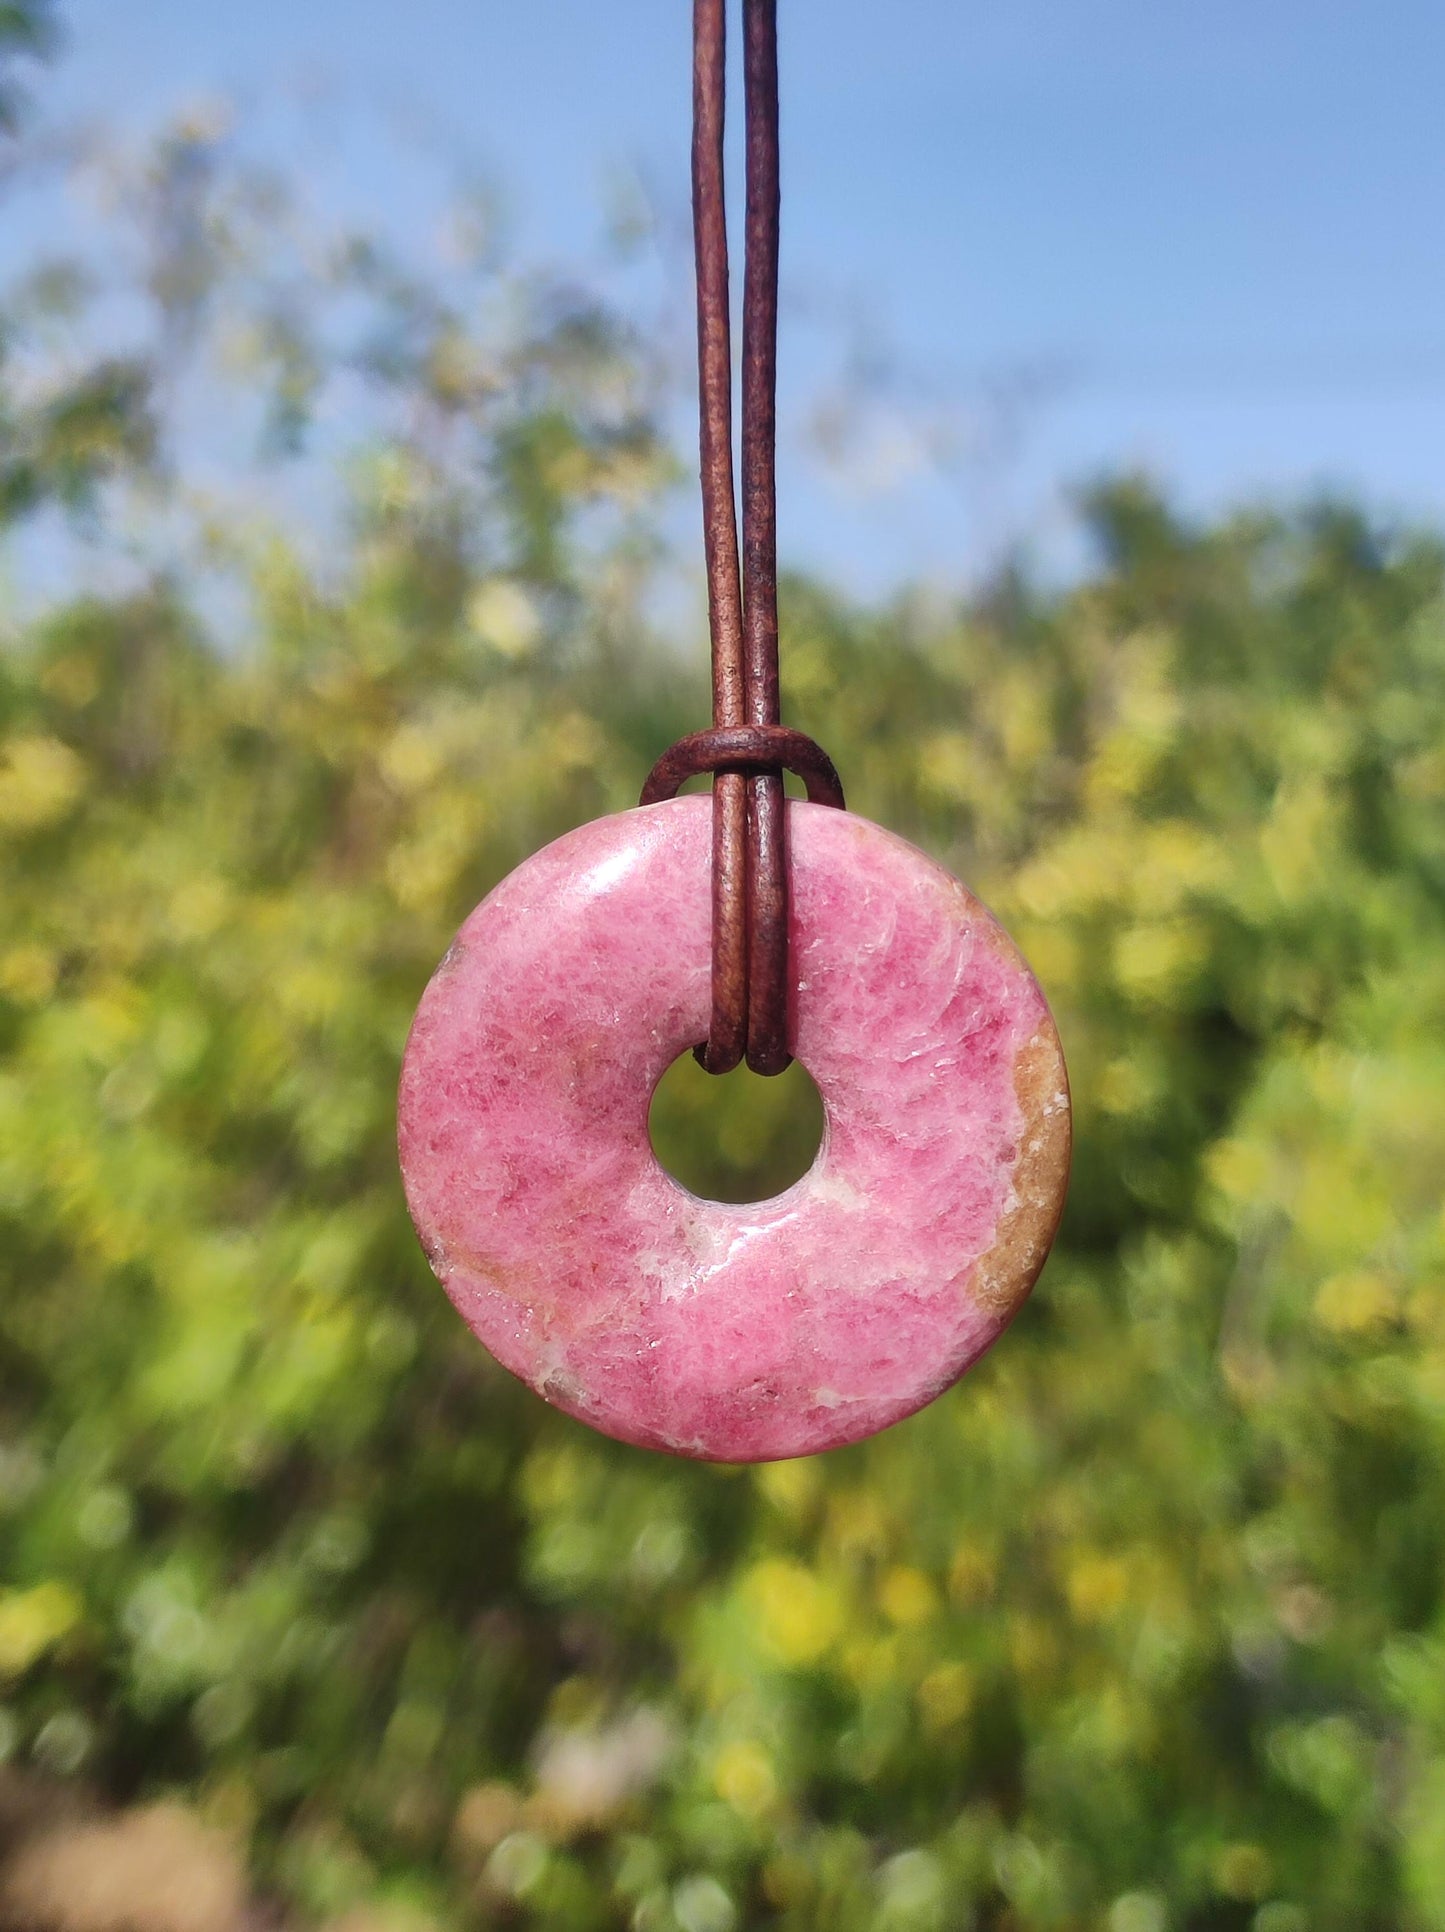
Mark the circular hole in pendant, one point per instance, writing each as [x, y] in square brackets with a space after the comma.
[735, 1136]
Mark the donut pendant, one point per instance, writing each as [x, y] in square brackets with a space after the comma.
[734, 1333]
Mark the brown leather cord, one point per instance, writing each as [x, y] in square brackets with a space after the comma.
[748, 749]
[745, 748]
[767, 859]
[727, 1035]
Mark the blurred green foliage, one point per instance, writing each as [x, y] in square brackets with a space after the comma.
[1139, 1628]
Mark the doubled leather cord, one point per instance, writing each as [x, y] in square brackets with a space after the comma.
[748, 749]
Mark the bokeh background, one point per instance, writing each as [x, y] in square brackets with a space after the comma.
[350, 555]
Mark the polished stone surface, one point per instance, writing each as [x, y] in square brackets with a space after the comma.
[735, 1333]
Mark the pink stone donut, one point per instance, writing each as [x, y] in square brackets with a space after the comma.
[734, 1333]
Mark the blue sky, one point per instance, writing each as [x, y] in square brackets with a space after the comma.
[1066, 237]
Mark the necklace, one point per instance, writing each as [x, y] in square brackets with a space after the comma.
[759, 927]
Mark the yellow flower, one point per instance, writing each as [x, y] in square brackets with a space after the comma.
[1097, 1586]
[40, 779]
[744, 1777]
[790, 1486]
[799, 1616]
[27, 974]
[411, 759]
[1355, 1303]
[907, 1596]
[1152, 959]
[32, 1621]
[504, 616]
